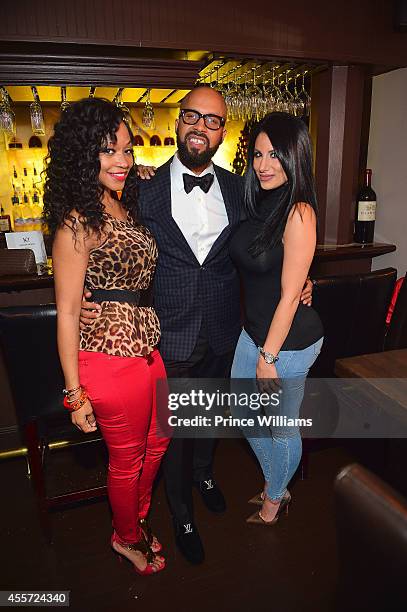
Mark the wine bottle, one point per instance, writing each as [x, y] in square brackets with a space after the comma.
[5, 222]
[365, 215]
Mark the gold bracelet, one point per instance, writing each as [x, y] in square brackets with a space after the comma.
[76, 404]
[71, 391]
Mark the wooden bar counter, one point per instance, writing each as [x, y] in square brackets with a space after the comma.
[26, 290]
[329, 259]
[347, 258]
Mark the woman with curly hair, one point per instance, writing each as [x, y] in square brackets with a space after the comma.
[111, 368]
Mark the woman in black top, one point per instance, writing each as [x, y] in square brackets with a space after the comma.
[273, 250]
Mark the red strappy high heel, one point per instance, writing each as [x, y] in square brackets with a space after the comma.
[142, 547]
[149, 537]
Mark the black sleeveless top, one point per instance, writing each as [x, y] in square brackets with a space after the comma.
[261, 283]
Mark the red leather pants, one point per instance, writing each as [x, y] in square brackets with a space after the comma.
[122, 391]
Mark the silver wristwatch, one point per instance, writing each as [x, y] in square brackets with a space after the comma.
[268, 357]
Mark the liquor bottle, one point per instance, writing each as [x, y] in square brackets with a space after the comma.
[25, 171]
[18, 216]
[34, 196]
[5, 222]
[365, 215]
[14, 172]
[14, 197]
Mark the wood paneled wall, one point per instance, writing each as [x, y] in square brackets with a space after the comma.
[346, 31]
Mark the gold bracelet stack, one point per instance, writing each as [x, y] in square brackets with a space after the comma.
[73, 401]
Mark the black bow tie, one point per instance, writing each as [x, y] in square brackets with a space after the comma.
[191, 181]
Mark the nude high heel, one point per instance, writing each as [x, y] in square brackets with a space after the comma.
[257, 518]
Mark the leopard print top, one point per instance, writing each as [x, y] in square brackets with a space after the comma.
[125, 260]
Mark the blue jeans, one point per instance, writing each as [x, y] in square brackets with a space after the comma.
[277, 448]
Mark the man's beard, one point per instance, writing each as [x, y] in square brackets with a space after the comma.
[194, 159]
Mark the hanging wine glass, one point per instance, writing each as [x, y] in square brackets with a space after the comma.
[64, 102]
[148, 116]
[245, 106]
[7, 116]
[232, 94]
[36, 116]
[256, 98]
[286, 95]
[125, 110]
[263, 99]
[305, 97]
[274, 93]
[297, 102]
[169, 140]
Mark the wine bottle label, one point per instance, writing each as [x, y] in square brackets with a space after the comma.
[5, 225]
[367, 211]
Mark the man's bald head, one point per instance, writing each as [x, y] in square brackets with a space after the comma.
[203, 94]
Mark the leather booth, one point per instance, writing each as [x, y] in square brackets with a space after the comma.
[371, 522]
[28, 343]
[353, 310]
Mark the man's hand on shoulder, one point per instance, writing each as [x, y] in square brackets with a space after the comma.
[145, 172]
[306, 295]
[89, 310]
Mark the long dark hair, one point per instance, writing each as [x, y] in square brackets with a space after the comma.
[73, 166]
[290, 139]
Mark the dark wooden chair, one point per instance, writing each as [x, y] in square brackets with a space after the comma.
[371, 523]
[28, 344]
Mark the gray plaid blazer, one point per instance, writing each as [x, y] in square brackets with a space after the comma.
[187, 293]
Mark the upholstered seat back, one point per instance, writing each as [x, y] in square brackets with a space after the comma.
[371, 520]
[29, 346]
[353, 310]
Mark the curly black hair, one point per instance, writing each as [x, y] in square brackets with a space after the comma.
[72, 165]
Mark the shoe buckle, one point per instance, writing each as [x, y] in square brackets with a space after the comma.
[188, 528]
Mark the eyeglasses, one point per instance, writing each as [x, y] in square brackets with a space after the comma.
[191, 117]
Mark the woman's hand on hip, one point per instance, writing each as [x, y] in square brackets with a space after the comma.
[84, 418]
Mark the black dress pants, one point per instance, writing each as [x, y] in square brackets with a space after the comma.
[190, 460]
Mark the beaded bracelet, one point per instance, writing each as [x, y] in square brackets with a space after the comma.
[76, 404]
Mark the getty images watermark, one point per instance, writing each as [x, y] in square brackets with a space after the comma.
[221, 408]
[338, 408]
